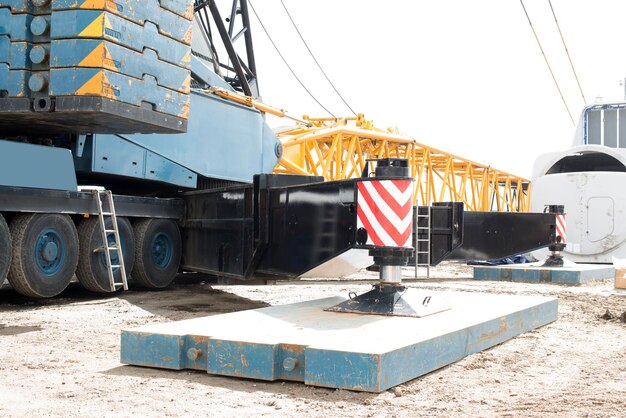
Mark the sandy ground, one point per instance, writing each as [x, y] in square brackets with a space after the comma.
[61, 358]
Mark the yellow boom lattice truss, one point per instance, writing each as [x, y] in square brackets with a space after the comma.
[339, 149]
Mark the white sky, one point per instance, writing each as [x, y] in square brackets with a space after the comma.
[463, 76]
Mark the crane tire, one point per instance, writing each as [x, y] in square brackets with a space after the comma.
[45, 254]
[158, 249]
[5, 249]
[92, 271]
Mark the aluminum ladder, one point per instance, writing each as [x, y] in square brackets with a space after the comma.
[107, 247]
[425, 242]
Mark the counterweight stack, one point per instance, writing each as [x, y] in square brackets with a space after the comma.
[94, 66]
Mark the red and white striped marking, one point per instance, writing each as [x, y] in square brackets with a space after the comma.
[560, 227]
[385, 210]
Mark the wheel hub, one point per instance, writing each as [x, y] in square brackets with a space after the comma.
[162, 250]
[49, 251]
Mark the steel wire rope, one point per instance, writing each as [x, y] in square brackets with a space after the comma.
[556, 83]
[315, 59]
[567, 52]
[286, 63]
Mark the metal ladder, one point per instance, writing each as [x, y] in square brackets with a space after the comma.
[424, 230]
[107, 248]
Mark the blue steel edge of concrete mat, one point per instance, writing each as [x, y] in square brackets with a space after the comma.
[444, 350]
[524, 275]
[373, 373]
[536, 274]
[170, 24]
[486, 273]
[241, 359]
[601, 274]
[156, 350]
[342, 370]
[194, 352]
[566, 277]
[183, 8]
[115, 86]
[506, 327]
[95, 24]
[290, 362]
[96, 53]
[36, 166]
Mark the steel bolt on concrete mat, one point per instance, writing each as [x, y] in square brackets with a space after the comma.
[302, 342]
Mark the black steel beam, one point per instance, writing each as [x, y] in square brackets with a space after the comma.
[494, 235]
[22, 199]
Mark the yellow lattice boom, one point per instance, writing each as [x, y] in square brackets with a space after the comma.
[338, 148]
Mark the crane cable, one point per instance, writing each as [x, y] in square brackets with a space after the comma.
[548, 64]
[567, 52]
[286, 63]
[315, 59]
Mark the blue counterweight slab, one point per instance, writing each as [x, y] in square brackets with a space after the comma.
[24, 55]
[169, 23]
[15, 54]
[94, 24]
[139, 10]
[115, 86]
[24, 27]
[108, 55]
[27, 6]
[13, 83]
[302, 342]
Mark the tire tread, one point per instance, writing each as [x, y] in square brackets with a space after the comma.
[17, 271]
[5, 256]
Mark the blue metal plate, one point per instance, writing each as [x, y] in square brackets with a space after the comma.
[302, 342]
[36, 166]
[72, 24]
[19, 27]
[108, 55]
[83, 114]
[170, 24]
[115, 86]
[112, 154]
[13, 83]
[26, 6]
[17, 55]
[250, 141]
[139, 10]
[574, 275]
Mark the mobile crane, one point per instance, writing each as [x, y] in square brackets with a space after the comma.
[119, 96]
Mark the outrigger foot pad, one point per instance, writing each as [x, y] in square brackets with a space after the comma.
[392, 300]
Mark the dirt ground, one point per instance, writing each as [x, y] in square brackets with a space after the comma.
[60, 357]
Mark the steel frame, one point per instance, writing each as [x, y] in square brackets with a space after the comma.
[23, 199]
[339, 149]
[245, 79]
